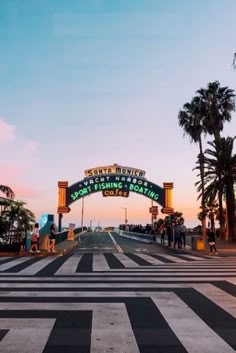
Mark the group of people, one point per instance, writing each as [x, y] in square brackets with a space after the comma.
[35, 239]
[176, 232]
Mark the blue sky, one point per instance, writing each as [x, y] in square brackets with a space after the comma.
[90, 83]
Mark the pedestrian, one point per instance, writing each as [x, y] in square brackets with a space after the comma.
[177, 236]
[162, 229]
[52, 238]
[212, 241]
[169, 234]
[35, 239]
[183, 232]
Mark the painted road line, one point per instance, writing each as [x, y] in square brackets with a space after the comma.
[3, 258]
[195, 335]
[100, 263]
[25, 335]
[13, 263]
[150, 259]
[36, 267]
[126, 261]
[172, 258]
[69, 267]
[221, 298]
[115, 243]
[192, 257]
[112, 330]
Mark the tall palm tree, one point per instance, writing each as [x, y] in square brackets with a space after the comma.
[219, 178]
[191, 120]
[7, 191]
[217, 105]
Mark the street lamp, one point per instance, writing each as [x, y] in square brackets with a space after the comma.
[82, 215]
[90, 223]
[126, 220]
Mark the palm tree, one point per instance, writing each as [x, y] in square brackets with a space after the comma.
[234, 61]
[7, 191]
[217, 104]
[191, 120]
[219, 178]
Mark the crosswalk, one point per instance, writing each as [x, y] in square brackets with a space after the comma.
[87, 262]
[119, 303]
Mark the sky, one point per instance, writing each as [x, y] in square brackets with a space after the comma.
[97, 82]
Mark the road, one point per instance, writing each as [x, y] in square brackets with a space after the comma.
[116, 295]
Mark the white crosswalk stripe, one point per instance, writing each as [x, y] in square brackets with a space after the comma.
[69, 267]
[12, 263]
[188, 326]
[125, 260]
[100, 263]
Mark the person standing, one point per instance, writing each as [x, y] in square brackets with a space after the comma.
[35, 239]
[212, 241]
[177, 236]
[52, 238]
[162, 230]
[183, 232]
[169, 234]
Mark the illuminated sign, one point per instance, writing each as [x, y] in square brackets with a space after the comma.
[124, 183]
[115, 192]
[114, 169]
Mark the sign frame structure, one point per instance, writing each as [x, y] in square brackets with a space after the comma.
[122, 182]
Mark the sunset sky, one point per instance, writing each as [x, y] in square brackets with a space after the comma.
[87, 83]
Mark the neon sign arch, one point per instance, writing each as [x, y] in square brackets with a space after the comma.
[114, 180]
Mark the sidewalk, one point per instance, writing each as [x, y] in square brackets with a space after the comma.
[61, 249]
[223, 247]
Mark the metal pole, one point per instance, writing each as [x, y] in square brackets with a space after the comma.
[60, 215]
[82, 215]
[152, 215]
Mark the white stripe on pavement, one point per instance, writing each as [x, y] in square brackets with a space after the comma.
[112, 330]
[70, 265]
[25, 335]
[195, 335]
[151, 259]
[224, 300]
[115, 243]
[172, 258]
[100, 263]
[13, 263]
[126, 261]
[192, 257]
[37, 266]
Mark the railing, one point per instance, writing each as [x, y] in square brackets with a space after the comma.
[62, 236]
[14, 241]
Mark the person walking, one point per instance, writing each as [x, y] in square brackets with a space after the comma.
[35, 239]
[177, 236]
[183, 232]
[52, 238]
[162, 230]
[212, 241]
[169, 234]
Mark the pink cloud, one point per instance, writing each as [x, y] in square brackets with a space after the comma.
[23, 191]
[7, 132]
[9, 173]
[31, 145]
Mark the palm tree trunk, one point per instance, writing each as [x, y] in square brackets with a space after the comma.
[221, 215]
[201, 163]
[230, 204]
